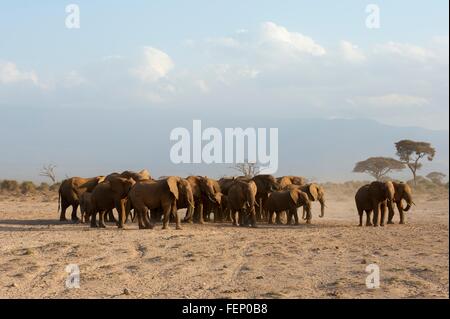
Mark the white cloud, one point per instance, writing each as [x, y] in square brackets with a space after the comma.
[9, 73]
[405, 50]
[156, 65]
[74, 79]
[224, 42]
[351, 52]
[299, 43]
[390, 100]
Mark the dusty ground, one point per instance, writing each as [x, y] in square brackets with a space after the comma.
[324, 260]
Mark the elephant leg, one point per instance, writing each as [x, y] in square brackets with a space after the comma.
[140, 216]
[94, 219]
[200, 213]
[360, 213]
[295, 213]
[270, 217]
[64, 206]
[235, 217]
[110, 216]
[376, 214]
[368, 221]
[391, 215]
[278, 218]
[74, 213]
[304, 213]
[401, 213]
[101, 219]
[382, 214]
[120, 206]
[176, 216]
[167, 209]
[253, 217]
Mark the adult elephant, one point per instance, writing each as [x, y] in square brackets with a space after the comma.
[143, 175]
[108, 195]
[284, 181]
[315, 192]
[289, 201]
[402, 192]
[153, 195]
[203, 190]
[70, 191]
[241, 202]
[265, 184]
[375, 197]
[214, 207]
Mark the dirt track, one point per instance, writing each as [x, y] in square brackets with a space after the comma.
[323, 260]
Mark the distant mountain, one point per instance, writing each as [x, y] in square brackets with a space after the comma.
[98, 141]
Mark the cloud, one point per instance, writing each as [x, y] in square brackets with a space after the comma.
[298, 43]
[405, 50]
[351, 52]
[9, 73]
[74, 79]
[156, 65]
[223, 41]
[390, 100]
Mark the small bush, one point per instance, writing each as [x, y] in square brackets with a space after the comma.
[55, 187]
[9, 185]
[27, 187]
[44, 187]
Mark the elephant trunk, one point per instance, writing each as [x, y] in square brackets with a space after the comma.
[322, 207]
[409, 202]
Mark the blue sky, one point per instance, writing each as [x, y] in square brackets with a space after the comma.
[212, 59]
[33, 32]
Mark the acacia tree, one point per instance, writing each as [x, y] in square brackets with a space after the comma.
[49, 171]
[247, 169]
[378, 167]
[436, 177]
[411, 152]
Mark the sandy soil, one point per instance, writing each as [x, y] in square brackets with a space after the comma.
[323, 260]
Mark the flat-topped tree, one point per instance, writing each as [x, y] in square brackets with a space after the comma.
[378, 167]
[411, 152]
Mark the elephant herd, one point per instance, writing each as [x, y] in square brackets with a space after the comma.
[243, 201]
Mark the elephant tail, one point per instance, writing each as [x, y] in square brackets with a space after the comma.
[59, 199]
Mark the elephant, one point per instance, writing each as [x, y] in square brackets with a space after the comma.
[402, 192]
[265, 184]
[214, 207]
[203, 189]
[155, 194]
[143, 175]
[108, 195]
[374, 197]
[289, 201]
[70, 191]
[315, 192]
[85, 206]
[241, 201]
[284, 181]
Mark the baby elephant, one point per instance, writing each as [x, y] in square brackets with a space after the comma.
[85, 206]
[289, 201]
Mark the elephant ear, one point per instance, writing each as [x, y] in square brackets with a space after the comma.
[218, 197]
[100, 179]
[294, 195]
[390, 190]
[313, 191]
[144, 174]
[172, 182]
